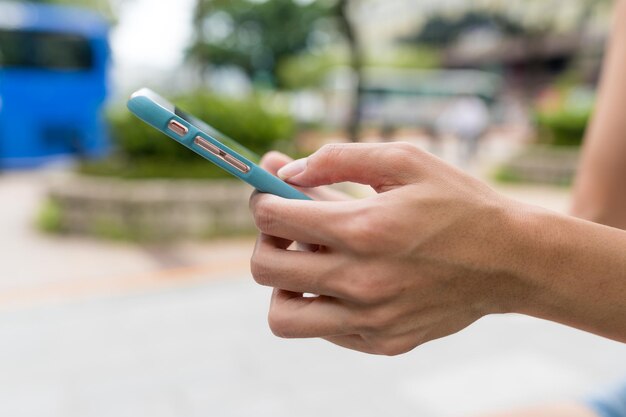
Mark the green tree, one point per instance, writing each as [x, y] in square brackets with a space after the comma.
[255, 36]
[259, 36]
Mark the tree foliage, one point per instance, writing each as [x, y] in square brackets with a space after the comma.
[257, 35]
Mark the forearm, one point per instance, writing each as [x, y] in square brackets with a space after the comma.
[600, 192]
[576, 272]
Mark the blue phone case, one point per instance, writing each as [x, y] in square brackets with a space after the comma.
[160, 118]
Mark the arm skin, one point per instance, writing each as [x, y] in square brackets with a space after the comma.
[600, 192]
[431, 253]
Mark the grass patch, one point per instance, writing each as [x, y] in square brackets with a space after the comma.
[50, 217]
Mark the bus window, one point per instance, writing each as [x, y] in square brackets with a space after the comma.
[44, 50]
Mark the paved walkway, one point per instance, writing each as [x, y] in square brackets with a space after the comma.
[92, 329]
[205, 350]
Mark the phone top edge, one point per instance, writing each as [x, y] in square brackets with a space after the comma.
[152, 96]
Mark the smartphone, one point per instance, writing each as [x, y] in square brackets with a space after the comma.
[206, 141]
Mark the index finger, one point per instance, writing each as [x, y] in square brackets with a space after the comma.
[273, 161]
[314, 222]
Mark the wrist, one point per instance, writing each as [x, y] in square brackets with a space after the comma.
[571, 271]
[522, 251]
[499, 254]
[535, 253]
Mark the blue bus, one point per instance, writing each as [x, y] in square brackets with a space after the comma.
[53, 84]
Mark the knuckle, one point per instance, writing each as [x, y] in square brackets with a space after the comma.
[381, 320]
[264, 216]
[362, 325]
[371, 282]
[279, 323]
[369, 291]
[376, 321]
[260, 269]
[404, 155]
[369, 231]
[403, 151]
[408, 148]
[362, 231]
[393, 348]
[390, 346]
[331, 150]
[326, 156]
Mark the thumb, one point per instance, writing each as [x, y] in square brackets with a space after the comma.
[383, 166]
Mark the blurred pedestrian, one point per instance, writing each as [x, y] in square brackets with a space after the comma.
[467, 118]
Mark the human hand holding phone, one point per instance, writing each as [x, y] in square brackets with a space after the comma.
[431, 253]
[384, 281]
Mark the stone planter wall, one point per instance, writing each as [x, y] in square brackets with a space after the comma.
[543, 165]
[151, 210]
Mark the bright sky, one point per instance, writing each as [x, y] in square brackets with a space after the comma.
[151, 37]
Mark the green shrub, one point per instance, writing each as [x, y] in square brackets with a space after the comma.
[143, 152]
[246, 121]
[565, 128]
[564, 120]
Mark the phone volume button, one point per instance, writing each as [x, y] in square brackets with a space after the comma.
[208, 146]
[230, 160]
[237, 164]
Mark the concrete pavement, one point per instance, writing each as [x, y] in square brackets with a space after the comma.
[205, 350]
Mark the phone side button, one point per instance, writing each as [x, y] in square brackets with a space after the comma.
[208, 146]
[237, 164]
[178, 128]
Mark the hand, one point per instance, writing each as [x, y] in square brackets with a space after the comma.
[422, 259]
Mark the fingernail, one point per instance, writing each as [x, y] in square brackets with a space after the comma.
[292, 169]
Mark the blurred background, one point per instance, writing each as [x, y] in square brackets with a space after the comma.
[124, 282]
